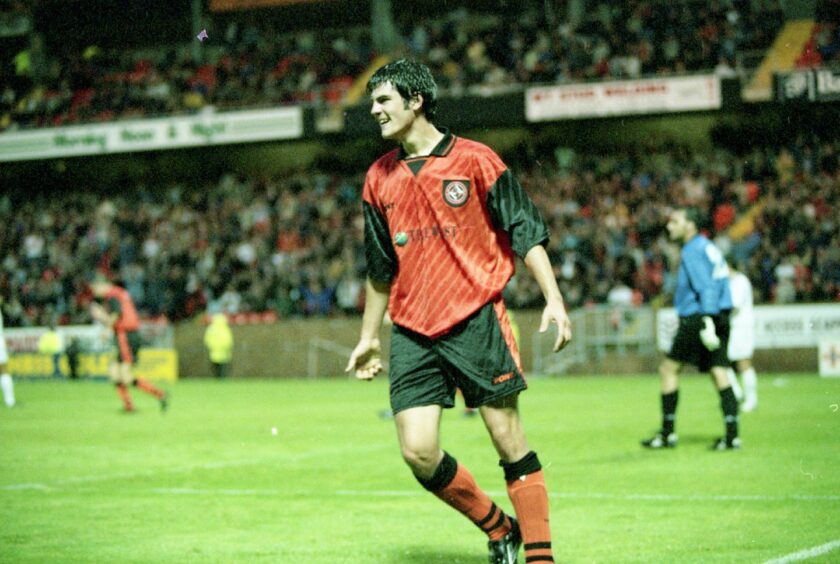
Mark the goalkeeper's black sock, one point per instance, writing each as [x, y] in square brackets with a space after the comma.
[669, 412]
[729, 406]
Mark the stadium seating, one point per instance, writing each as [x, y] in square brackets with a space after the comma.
[254, 65]
[294, 245]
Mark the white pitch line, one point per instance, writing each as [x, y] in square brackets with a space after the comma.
[598, 495]
[26, 487]
[698, 497]
[280, 459]
[806, 553]
[205, 491]
[562, 495]
[127, 475]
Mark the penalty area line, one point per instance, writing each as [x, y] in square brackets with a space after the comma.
[806, 553]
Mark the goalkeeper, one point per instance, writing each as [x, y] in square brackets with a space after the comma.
[703, 301]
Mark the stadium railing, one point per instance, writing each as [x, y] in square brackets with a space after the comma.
[598, 331]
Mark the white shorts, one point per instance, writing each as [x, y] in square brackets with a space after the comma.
[4, 355]
[741, 345]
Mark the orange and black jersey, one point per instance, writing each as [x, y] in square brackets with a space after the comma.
[443, 229]
[119, 301]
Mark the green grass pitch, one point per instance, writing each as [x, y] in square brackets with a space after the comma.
[209, 481]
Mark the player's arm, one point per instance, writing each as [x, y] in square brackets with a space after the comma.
[514, 212]
[555, 310]
[366, 358]
[740, 294]
[700, 270]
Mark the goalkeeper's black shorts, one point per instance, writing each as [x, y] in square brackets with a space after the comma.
[687, 347]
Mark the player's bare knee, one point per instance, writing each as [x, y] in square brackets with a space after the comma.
[422, 461]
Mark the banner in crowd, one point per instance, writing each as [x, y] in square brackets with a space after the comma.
[153, 134]
[152, 364]
[627, 97]
[810, 85]
[158, 359]
[231, 5]
[782, 326]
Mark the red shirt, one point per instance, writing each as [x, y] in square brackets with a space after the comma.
[120, 301]
[443, 230]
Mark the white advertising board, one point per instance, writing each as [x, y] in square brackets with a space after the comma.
[783, 326]
[627, 97]
[153, 134]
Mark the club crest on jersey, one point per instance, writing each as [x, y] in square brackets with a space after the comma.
[456, 192]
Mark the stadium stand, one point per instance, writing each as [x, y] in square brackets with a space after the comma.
[293, 244]
[252, 64]
[253, 244]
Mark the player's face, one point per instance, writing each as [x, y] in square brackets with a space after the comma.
[391, 111]
[677, 225]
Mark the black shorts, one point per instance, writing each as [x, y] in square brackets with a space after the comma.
[687, 347]
[128, 346]
[479, 356]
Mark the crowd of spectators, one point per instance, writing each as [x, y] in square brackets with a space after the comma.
[823, 47]
[294, 245]
[251, 64]
[614, 40]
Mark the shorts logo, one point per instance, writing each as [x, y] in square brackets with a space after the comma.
[456, 192]
[502, 378]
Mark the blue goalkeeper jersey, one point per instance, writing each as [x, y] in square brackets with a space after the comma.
[703, 280]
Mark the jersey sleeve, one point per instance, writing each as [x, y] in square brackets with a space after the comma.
[379, 250]
[699, 271]
[514, 212]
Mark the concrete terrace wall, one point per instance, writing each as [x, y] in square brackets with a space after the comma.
[280, 350]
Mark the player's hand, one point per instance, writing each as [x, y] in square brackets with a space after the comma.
[708, 335]
[555, 312]
[366, 359]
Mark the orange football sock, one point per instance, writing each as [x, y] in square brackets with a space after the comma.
[529, 496]
[454, 484]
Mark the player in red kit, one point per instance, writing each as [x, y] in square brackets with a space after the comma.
[119, 313]
[444, 219]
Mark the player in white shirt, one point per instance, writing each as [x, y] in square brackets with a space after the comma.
[5, 378]
[742, 340]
